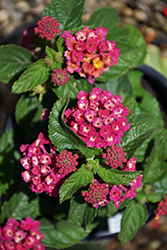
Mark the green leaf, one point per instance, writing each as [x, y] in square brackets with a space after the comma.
[111, 20]
[29, 109]
[133, 218]
[35, 75]
[80, 178]
[68, 13]
[60, 134]
[90, 152]
[6, 159]
[155, 167]
[81, 212]
[111, 210]
[150, 111]
[7, 140]
[50, 52]
[14, 60]
[135, 137]
[135, 81]
[18, 207]
[117, 177]
[158, 190]
[136, 39]
[131, 104]
[61, 234]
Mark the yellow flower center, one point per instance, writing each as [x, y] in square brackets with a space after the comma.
[97, 63]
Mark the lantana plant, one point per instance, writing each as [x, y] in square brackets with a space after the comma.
[87, 140]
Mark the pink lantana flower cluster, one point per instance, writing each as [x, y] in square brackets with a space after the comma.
[23, 235]
[100, 193]
[47, 27]
[45, 171]
[115, 156]
[99, 118]
[60, 76]
[162, 208]
[96, 194]
[118, 193]
[88, 53]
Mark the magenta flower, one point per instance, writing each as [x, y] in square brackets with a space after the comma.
[28, 38]
[96, 194]
[46, 171]
[162, 208]
[66, 162]
[47, 27]
[60, 77]
[88, 53]
[115, 156]
[98, 118]
[115, 193]
[45, 114]
[28, 237]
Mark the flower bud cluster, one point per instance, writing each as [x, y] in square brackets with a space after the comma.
[45, 171]
[60, 76]
[88, 52]
[96, 194]
[23, 235]
[47, 27]
[98, 118]
[100, 193]
[162, 208]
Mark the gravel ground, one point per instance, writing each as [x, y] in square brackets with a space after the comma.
[147, 15]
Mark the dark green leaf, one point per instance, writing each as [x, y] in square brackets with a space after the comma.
[68, 13]
[131, 104]
[111, 210]
[117, 177]
[81, 212]
[61, 135]
[90, 152]
[18, 207]
[7, 140]
[35, 75]
[155, 167]
[14, 60]
[135, 137]
[135, 81]
[150, 111]
[80, 178]
[6, 160]
[158, 190]
[106, 16]
[133, 218]
[61, 234]
[29, 109]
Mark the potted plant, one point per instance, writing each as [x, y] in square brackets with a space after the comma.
[87, 140]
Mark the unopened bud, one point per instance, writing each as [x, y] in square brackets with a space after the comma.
[48, 62]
